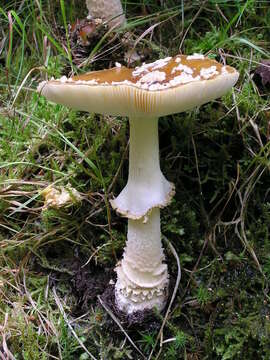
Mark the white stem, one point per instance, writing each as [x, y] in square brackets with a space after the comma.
[143, 251]
[142, 278]
[147, 187]
[108, 10]
[144, 169]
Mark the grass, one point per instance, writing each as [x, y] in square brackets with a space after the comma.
[55, 262]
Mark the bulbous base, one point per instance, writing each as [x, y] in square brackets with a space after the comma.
[142, 275]
[131, 300]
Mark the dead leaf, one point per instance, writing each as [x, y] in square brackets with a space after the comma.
[60, 197]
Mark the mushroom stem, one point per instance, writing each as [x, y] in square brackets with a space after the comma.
[109, 10]
[147, 187]
[142, 278]
[144, 168]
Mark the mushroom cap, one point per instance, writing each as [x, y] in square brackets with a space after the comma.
[164, 87]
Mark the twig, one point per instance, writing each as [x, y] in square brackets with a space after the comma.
[94, 253]
[4, 343]
[120, 326]
[119, 168]
[196, 265]
[24, 81]
[203, 211]
[2, 356]
[256, 131]
[195, 17]
[244, 200]
[236, 109]
[160, 334]
[41, 317]
[246, 59]
[221, 13]
[183, 16]
[62, 311]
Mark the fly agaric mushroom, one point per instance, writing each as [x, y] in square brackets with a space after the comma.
[108, 10]
[164, 87]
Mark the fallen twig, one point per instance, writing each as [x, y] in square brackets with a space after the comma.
[121, 327]
[62, 311]
[160, 334]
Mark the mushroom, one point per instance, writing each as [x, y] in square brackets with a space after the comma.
[108, 10]
[166, 86]
[112, 12]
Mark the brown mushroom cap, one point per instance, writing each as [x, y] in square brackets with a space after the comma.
[166, 86]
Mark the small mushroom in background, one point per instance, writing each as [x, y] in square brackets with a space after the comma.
[62, 197]
[112, 13]
[166, 86]
[107, 10]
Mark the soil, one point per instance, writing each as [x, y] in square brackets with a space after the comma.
[85, 283]
[140, 319]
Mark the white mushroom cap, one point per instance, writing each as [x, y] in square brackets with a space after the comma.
[164, 87]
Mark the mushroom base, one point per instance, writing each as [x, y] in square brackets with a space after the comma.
[142, 277]
[129, 306]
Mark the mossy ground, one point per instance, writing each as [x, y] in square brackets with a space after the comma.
[217, 156]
